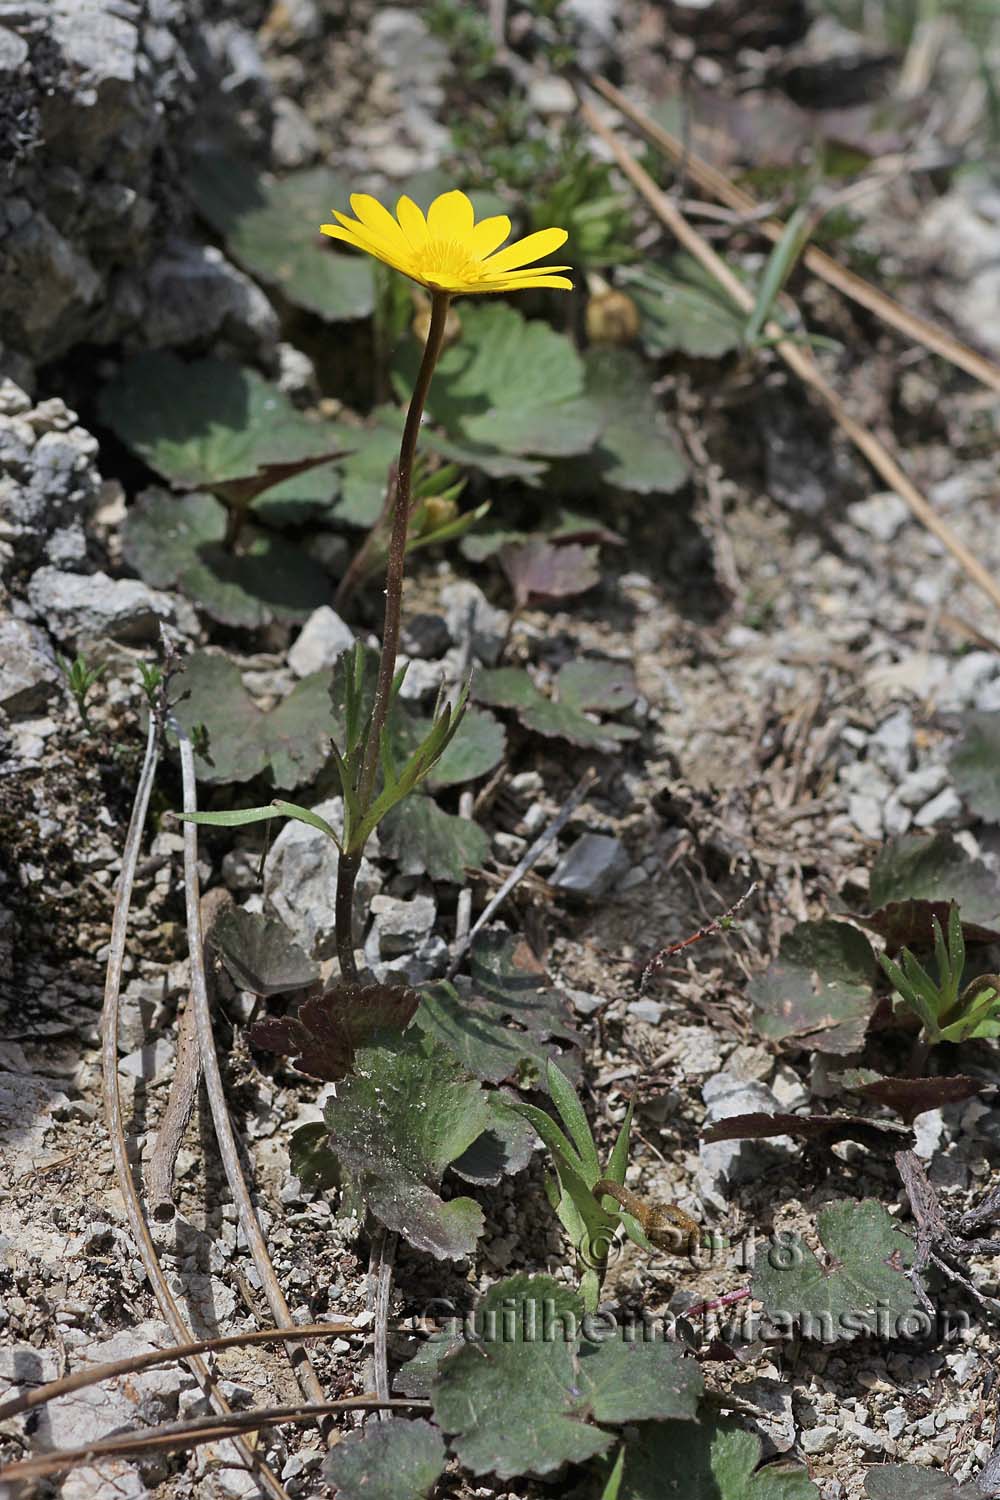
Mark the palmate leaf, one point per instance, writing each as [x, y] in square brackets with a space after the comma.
[177, 542]
[505, 1018]
[820, 990]
[681, 308]
[271, 227]
[522, 1398]
[861, 1287]
[426, 841]
[394, 1460]
[290, 743]
[259, 953]
[916, 1482]
[538, 572]
[324, 1035]
[602, 686]
[975, 765]
[635, 450]
[916, 878]
[510, 389]
[718, 1461]
[396, 1124]
[207, 422]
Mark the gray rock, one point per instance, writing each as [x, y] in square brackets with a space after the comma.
[48, 480]
[922, 784]
[473, 621]
[294, 140]
[195, 293]
[425, 637]
[722, 1163]
[239, 870]
[865, 813]
[891, 746]
[29, 673]
[80, 608]
[323, 638]
[428, 960]
[941, 809]
[99, 108]
[423, 679]
[300, 882]
[592, 865]
[881, 515]
[399, 925]
[650, 1011]
[819, 1439]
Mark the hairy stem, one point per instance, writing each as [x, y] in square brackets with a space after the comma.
[397, 544]
[347, 870]
[347, 874]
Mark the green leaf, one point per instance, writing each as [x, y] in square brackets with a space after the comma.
[502, 1150]
[476, 749]
[717, 1461]
[975, 765]
[915, 879]
[509, 386]
[682, 309]
[396, 1125]
[207, 422]
[365, 471]
[311, 1159]
[271, 227]
[915, 1482]
[177, 542]
[604, 686]
[567, 1102]
[861, 1286]
[820, 990]
[394, 1460]
[291, 742]
[636, 450]
[511, 1398]
[638, 1380]
[618, 1160]
[260, 953]
[506, 1018]
[425, 840]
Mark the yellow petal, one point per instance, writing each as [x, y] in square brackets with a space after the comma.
[451, 216]
[487, 235]
[526, 271]
[379, 221]
[559, 282]
[523, 252]
[412, 222]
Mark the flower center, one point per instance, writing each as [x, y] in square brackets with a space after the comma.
[448, 260]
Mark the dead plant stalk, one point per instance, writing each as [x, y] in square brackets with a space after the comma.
[798, 359]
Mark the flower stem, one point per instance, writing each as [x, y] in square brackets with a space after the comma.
[347, 869]
[397, 544]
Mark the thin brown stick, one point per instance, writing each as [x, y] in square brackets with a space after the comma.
[711, 180]
[183, 1092]
[799, 360]
[177, 1435]
[383, 1256]
[113, 1108]
[524, 864]
[95, 1374]
[249, 1223]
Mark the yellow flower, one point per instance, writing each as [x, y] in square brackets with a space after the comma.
[448, 251]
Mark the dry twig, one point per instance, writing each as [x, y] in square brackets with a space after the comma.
[174, 1436]
[524, 864]
[95, 1374]
[113, 1108]
[249, 1223]
[711, 180]
[798, 359]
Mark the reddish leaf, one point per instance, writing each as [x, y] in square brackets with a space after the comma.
[541, 572]
[910, 1097]
[824, 1129]
[324, 1035]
